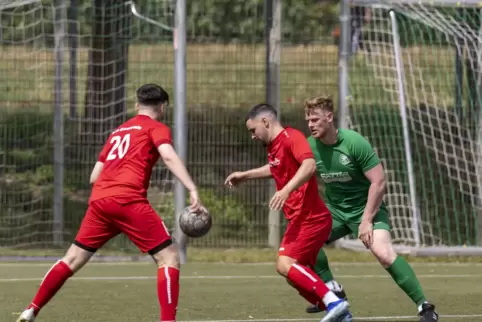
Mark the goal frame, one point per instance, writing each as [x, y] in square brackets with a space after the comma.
[343, 113]
[180, 112]
[61, 21]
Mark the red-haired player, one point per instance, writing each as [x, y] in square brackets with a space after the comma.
[118, 204]
[292, 165]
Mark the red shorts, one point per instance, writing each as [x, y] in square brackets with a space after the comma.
[303, 240]
[105, 218]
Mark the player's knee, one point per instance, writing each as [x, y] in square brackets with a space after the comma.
[385, 256]
[282, 269]
[283, 265]
[382, 248]
[168, 256]
[76, 257]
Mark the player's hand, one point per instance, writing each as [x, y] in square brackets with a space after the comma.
[194, 200]
[234, 179]
[365, 233]
[278, 200]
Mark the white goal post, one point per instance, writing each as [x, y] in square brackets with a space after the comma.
[414, 78]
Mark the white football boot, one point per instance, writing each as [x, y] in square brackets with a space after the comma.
[27, 316]
[337, 311]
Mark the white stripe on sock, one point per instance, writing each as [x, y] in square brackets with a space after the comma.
[168, 286]
[51, 268]
[304, 272]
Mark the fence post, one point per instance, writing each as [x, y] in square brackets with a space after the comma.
[273, 54]
[60, 18]
[344, 49]
[180, 134]
[478, 125]
[73, 44]
[406, 129]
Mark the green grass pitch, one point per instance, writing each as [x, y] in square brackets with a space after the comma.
[236, 292]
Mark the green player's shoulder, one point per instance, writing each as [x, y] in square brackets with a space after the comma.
[312, 141]
[351, 135]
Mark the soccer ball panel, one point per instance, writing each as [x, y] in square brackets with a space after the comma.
[195, 224]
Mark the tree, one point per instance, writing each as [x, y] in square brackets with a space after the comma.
[105, 98]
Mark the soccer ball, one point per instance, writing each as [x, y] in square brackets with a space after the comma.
[195, 224]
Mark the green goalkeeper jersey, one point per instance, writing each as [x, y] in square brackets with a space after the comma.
[342, 168]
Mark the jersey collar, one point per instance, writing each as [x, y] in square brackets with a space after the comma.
[339, 138]
[278, 137]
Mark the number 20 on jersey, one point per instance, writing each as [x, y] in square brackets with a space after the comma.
[120, 146]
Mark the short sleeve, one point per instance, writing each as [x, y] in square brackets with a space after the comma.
[363, 153]
[300, 147]
[160, 134]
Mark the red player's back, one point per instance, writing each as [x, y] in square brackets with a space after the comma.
[285, 155]
[129, 155]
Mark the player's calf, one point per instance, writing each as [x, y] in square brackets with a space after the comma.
[168, 263]
[311, 287]
[55, 278]
[402, 273]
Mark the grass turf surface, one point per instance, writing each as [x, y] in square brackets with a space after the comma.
[233, 75]
[236, 292]
[219, 255]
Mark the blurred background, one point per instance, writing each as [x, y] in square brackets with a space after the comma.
[406, 76]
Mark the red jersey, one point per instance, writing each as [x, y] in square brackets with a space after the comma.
[129, 155]
[285, 155]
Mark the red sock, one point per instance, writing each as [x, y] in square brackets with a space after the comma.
[307, 281]
[312, 298]
[168, 292]
[52, 282]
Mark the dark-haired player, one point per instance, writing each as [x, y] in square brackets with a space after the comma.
[354, 188]
[291, 164]
[118, 204]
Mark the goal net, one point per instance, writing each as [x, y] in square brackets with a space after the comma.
[415, 86]
[102, 40]
[25, 124]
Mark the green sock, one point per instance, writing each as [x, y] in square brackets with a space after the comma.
[403, 274]
[321, 267]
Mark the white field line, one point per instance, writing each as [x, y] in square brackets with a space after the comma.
[334, 264]
[228, 277]
[362, 318]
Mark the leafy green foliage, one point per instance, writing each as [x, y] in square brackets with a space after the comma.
[228, 213]
[239, 216]
[304, 21]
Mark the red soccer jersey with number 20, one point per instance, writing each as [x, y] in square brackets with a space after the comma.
[129, 155]
[285, 155]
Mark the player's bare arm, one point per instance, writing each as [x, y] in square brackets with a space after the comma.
[304, 173]
[354, 188]
[96, 171]
[122, 172]
[376, 192]
[176, 166]
[236, 178]
[258, 173]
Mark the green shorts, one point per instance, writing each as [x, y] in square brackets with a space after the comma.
[344, 225]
